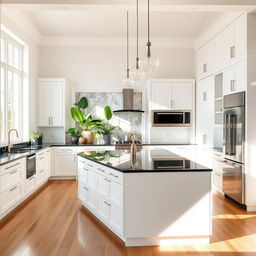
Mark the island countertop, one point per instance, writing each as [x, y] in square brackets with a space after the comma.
[147, 160]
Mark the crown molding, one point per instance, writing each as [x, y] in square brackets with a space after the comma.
[116, 42]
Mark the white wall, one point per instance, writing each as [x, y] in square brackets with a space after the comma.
[89, 68]
[18, 28]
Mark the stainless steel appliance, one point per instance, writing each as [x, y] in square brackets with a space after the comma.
[173, 163]
[31, 166]
[171, 118]
[234, 135]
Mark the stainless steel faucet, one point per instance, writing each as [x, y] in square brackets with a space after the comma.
[9, 146]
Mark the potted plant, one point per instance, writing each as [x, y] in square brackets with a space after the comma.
[74, 135]
[87, 123]
[104, 128]
[37, 138]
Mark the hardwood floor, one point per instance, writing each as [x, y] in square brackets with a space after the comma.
[54, 223]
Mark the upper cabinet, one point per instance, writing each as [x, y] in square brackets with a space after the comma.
[205, 60]
[51, 102]
[224, 49]
[235, 40]
[171, 95]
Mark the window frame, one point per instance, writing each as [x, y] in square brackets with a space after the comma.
[8, 39]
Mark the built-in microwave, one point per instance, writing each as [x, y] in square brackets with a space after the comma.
[171, 118]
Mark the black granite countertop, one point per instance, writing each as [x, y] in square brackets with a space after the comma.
[146, 161]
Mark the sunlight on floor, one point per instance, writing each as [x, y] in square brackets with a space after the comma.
[234, 217]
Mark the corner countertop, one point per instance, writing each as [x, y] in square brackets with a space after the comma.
[147, 160]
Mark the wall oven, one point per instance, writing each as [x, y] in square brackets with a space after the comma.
[171, 118]
[234, 136]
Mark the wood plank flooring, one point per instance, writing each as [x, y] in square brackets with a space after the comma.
[54, 223]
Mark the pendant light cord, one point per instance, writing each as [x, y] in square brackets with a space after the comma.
[148, 23]
[128, 70]
[137, 58]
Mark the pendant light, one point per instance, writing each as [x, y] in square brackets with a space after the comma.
[137, 73]
[149, 63]
[127, 82]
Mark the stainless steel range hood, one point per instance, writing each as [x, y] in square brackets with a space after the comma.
[128, 102]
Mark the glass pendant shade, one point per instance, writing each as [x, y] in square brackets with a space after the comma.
[137, 74]
[128, 82]
[149, 63]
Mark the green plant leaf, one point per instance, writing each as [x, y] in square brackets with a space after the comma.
[108, 112]
[77, 115]
[83, 103]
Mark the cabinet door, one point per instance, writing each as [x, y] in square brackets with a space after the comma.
[219, 50]
[116, 193]
[92, 199]
[160, 95]
[116, 219]
[64, 162]
[92, 179]
[57, 107]
[103, 209]
[234, 78]
[44, 103]
[182, 96]
[82, 191]
[205, 59]
[103, 186]
[205, 112]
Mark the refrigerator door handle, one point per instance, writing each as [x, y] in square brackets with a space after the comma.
[233, 135]
[227, 134]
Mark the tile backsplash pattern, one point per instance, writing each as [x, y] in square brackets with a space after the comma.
[128, 121]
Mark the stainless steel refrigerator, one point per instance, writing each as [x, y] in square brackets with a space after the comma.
[234, 136]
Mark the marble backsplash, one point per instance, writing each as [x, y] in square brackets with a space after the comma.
[128, 121]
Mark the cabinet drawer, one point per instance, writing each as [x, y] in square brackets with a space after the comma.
[10, 197]
[42, 176]
[82, 191]
[10, 167]
[103, 210]
[11, 178]
[116, 219]
[83, 174]
[217, 180]
[92, 179]
[115, 176]
[30, 184]
[116, 194]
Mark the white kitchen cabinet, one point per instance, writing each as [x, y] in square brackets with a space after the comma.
[219, 50]
[12, 177]
[182, 96]
[235, 40]
[235, 78]
[171, 94]
[65, 161]
[116, 218]
[205, 59]
[160, 95]
[205, 112]
[43, 165]
[82, 191]
[51, 106]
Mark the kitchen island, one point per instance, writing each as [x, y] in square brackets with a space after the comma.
[154, 198]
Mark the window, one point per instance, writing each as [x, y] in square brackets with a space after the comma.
[11, 87]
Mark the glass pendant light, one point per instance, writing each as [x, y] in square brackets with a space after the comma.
[128, 81]
[148, 62]
[137, 74]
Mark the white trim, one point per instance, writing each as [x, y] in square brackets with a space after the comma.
[116, 42]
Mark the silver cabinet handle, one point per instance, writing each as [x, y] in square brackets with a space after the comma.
[74, 158]
[85, 169]
[204, 96]
[13, 188]
[107, 203]
[85, 188]
[31, 178]
[49, 120]
[101, 170]
[90, 165]
[13, 172]
[205, 67]
[232, 52]
[41, 171]
[41, 158]
[116, 176]
[106, 179]
[11, 166]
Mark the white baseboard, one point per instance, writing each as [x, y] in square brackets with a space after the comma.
[166, 241]
[251, 208]
[63, 178]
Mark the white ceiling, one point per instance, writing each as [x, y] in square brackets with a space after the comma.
[89, 22]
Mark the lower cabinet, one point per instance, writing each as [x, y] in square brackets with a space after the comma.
[101, 191]
[65, 161]
[43, 165]
[12, 176]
